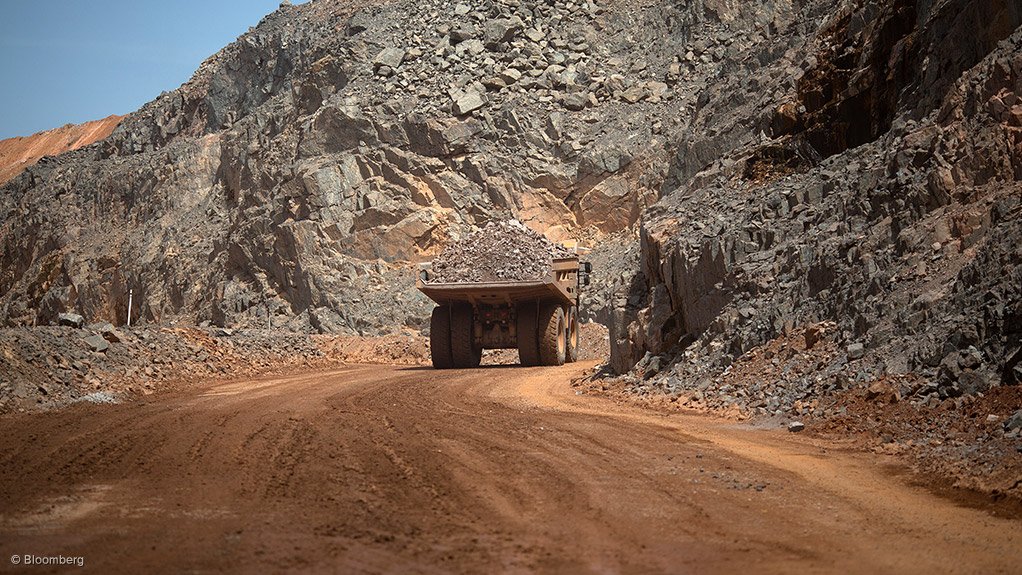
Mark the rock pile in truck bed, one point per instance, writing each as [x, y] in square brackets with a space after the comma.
[500, 251]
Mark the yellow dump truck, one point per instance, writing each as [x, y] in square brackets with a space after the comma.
[538, 318]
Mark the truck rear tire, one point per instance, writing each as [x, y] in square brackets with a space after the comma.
[525, 327]
[440, 337]
[553, 338]
[464, 351]
[571, 355]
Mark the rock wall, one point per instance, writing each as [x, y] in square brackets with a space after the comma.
[876, 188]
[303, 170]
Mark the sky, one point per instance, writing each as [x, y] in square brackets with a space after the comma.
[71, 61]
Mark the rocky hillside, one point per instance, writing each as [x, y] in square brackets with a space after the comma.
[860, 182]
[305, 166]
[16, 154]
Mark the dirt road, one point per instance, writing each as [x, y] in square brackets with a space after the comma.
[410, 470]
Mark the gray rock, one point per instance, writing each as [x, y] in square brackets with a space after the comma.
[112, 334]
[652, 367]
[856, 351]
[510, 76]
[534, 35]
[71, 319]
[462, 33]
[575, 101]
[1014, 422]
[97, 343]
[390, 57]
[469, 102]
[501, 30]
[796, 426]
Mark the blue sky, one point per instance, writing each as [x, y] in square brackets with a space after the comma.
[70, 61]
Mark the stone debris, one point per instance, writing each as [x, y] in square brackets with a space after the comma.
[469, 102]
[48, 367]
[97, 343]
[71, 320]
[1014, 423]
[390, 57]
[500, 251]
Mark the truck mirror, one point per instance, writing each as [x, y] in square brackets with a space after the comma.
[587, 267]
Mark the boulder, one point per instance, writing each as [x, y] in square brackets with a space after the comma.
[501, 30]
[575, 101]
[97, 343]
[856, 351]
[71, 320]
[112, 334]
[469, 102]
[390, 57]
[1014, 422]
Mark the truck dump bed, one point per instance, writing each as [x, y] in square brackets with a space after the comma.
[560, 285]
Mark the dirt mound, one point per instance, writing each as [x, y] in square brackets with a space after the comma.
[51, 367]
[16, 154]
[501, 251]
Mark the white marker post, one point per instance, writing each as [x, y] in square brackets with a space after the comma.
[131, 293]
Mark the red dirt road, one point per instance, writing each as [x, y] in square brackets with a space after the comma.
[410, 470]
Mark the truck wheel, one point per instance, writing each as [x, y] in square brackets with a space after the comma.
[440, 337]
[553, 339]
[572, 351]
[464, 351]
[525, 327]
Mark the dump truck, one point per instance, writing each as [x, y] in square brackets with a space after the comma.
[538, 318]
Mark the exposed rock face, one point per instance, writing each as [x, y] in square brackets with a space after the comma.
[306, 165]
[874, 183]
[16, 154]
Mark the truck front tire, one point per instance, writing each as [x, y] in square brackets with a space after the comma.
[440, 337]
[553, 339]
[464, 351]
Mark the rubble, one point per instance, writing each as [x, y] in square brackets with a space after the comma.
[50, 367]
[499, 251]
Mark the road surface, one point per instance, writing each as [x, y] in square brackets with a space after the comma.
[411, 470]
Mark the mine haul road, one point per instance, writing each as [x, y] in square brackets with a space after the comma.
[504, 469]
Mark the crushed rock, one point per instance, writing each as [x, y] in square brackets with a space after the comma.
[500, 251]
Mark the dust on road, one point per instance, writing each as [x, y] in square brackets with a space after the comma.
[406, 469]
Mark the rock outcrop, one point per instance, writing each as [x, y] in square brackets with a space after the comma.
[305, 166]
[868, 176]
